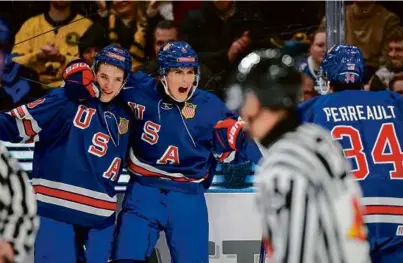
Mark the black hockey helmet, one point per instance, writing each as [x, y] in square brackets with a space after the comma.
[270, 74]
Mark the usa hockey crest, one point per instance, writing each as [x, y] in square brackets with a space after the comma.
[189, 110]
[123, 126]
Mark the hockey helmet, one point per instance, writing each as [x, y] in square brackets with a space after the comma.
[270, 74]
[342, 64]
[177, 54]
[116, 56]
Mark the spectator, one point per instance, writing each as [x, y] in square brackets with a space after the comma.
[369, 26]
[316, 52]
[396, 84]
[222, 32]
[393, 59]
[307, 88]
[164, 32]
[164, 8]
[93, 40]
[48, 42]
[375, 84]
[127, 25]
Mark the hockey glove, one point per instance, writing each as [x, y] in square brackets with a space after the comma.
[229, 134]
[79, 72]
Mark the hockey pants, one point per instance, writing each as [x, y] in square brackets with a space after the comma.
[59, 242]
[148, 210]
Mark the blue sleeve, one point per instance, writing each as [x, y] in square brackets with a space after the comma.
[136, 82]
[398, 100]
[26, 123]
[305, 110]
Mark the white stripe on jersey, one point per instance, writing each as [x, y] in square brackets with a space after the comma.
[18, 220]
[304, 194]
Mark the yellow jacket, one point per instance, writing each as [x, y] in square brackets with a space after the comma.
[38, 31]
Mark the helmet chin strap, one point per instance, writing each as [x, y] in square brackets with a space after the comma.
[165, 84]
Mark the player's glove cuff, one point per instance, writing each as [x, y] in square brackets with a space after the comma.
[229, 133]
[79, 72]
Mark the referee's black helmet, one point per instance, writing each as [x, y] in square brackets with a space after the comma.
[271, 75]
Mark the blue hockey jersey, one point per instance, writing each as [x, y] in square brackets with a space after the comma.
[172, 144]
[79, 153]
[369, 126]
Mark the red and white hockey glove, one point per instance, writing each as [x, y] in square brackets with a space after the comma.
[79, 72]
[229, 134]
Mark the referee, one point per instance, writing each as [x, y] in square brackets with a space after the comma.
[307, 199]
[18, 220]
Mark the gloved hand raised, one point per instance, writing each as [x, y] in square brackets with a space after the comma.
[79, 72]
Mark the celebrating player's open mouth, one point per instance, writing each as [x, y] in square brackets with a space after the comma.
[180, 82]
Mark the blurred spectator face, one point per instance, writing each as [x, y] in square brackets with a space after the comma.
[398, 87]
[110, 80]
[124, 7]
[317, 50]
[307, 87]
[163, 36]
[222, 5]
[395, 53]
[180, 81]
[60, 5]
[89, 54]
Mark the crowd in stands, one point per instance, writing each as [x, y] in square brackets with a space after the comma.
[48, 35]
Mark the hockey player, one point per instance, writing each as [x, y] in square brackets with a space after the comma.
[79, 150]
[18, 219]
[179, 135]
[368, 125]
[307, 199]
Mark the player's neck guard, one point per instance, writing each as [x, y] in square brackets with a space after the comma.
[290, 123]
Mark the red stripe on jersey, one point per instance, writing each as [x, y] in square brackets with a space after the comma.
[144, 172]
[77, 198]
[28, 128]
[20, 112]
[383, 209]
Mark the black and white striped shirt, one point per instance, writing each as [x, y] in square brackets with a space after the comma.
[18, 220]
[308, 201]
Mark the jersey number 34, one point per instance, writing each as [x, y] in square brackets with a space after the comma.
[386, 139]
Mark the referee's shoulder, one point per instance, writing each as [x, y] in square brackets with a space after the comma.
[299, 142]
[297, 151]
